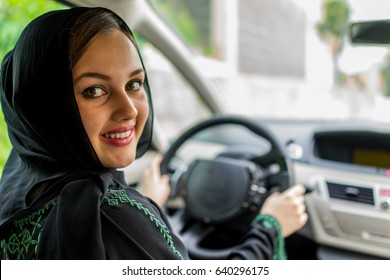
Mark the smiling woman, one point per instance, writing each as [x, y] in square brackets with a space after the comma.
[60, 184]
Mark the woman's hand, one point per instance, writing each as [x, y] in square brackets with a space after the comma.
[288, 208]
[153, 184]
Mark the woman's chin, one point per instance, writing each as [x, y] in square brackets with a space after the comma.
[122, 163]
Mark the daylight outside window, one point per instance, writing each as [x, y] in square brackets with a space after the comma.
[287, 58]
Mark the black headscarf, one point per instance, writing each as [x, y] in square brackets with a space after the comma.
[44, 124]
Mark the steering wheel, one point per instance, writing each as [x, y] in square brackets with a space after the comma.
[222, 194]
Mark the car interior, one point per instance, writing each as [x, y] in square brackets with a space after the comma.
[223, 164]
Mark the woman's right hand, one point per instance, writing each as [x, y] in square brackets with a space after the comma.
[153, 184]
[288, 208]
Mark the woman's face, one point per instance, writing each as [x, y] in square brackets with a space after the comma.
[108, 84]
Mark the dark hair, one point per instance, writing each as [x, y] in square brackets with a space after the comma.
[88, 25]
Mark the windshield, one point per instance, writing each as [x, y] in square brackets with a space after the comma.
[287, 59]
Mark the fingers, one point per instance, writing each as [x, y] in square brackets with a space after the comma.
[157, 160]
[303, 219]
[153, 184]
[295, 190]
[295, 197]
[299, 207]
[288, 208]
[165, 179]
[155, 165]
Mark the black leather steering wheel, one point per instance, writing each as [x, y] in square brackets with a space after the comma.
[222, 192]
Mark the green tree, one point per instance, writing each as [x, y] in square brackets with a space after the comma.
[333, 29]
[14, 16]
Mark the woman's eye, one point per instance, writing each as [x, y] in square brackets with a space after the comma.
[135, 85]
[93, 92]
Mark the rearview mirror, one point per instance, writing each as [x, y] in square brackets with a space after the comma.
[370, 32]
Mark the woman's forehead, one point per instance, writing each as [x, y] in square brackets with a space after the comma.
[111, 53]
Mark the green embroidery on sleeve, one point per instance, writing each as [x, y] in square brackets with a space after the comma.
[268, 221]
[25, 233]
[120, 196]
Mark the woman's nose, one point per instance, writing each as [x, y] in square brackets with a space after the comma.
[124, 107]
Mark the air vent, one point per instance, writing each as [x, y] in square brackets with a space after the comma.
[351, 193]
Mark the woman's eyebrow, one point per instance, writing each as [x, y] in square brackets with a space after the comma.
[92, 75]
[136, 72]
[103, 76]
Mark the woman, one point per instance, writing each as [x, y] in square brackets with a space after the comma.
[76, 100]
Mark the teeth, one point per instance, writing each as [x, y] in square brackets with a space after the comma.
[118, 135]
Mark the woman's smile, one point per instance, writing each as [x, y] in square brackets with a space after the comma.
[119, 137]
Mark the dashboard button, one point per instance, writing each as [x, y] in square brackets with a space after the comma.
[385, 203]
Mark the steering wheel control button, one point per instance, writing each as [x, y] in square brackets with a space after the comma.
[294, 151]
[308, 188]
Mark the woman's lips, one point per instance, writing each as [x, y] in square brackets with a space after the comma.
[119, 137]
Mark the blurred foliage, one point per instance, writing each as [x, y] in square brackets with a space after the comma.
[333, 28]
[5, 146]
[386, 76]
[335, 19]
[178, 15]
[14, 16]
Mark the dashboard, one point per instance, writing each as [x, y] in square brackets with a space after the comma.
[348, 166]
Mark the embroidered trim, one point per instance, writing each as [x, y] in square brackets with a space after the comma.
[25, 234]
[268, 221]
[120, 196]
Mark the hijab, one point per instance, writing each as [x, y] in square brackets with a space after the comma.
[41, 113]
